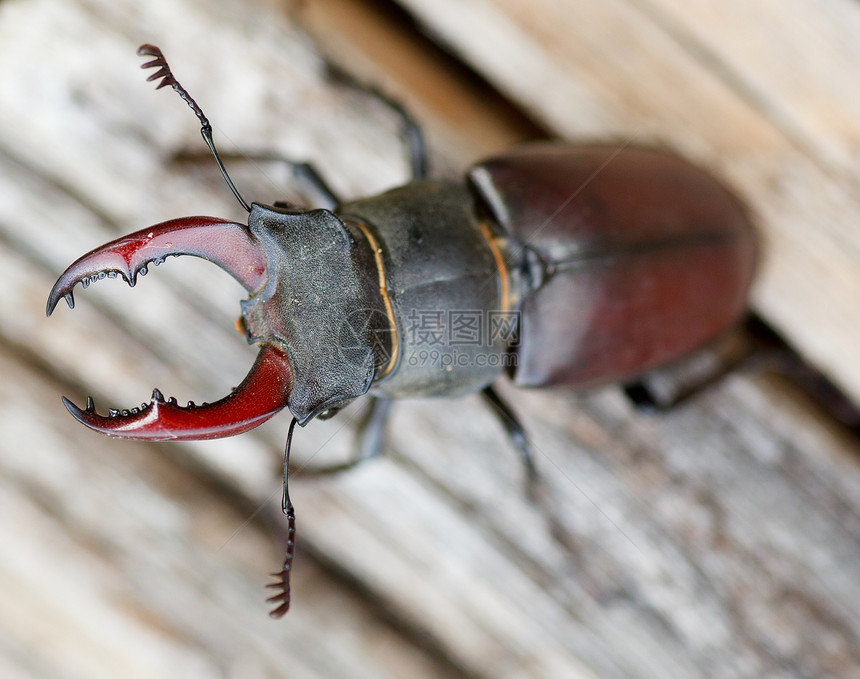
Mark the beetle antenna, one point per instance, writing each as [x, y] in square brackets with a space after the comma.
[167, 78]
[282, 598]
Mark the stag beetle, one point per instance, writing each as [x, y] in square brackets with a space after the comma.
[552, 263]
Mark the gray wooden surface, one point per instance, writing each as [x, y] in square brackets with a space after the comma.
[718, 541]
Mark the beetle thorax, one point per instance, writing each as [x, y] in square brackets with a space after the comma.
[318, 305]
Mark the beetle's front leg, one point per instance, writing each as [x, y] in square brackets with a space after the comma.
[314, 189]
[368, 440]
[410, 130]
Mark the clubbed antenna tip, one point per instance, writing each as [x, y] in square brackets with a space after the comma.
[168, 79]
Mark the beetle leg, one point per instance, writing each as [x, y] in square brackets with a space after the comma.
[312, 184]
[518, 436]
[647, 402]
[369, 439]
[671, 387]
[314, 188]
[642, 398]
[410, 130]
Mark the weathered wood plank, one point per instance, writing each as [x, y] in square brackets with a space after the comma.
[719, 541]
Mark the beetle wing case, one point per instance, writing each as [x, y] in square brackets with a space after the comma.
[647, 256]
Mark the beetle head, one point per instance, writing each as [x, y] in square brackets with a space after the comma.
[306, 273]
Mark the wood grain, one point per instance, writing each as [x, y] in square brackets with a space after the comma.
[718, 541]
